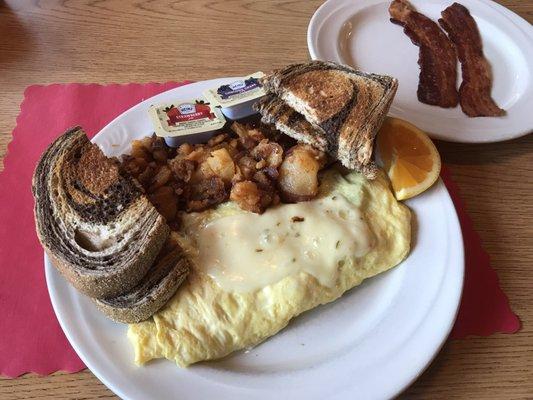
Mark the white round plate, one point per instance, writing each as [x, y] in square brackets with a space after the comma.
[359, 33]
[370, 344]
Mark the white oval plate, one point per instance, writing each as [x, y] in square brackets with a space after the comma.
[371, 343]
[359, 33]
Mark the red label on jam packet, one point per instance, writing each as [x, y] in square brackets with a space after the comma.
[186, 117]
[187, 112]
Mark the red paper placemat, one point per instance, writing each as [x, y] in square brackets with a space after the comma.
[31, 338]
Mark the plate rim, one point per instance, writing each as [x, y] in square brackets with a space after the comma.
[458, 264]
[517, 20]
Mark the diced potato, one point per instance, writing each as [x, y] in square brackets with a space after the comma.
[185, 149]
[250, 197]
[141, 163]
[270, 152]
[201, 173]
[160, 178]
[247, 195]
[256, 134]
[146, 176]
[165, 201]
[252, 165]
[182, 168]
[207, 193]
[222, 164]
[199, 155]
[132, 167]
[160, 155]
[298, 174]
[139, 151]
[247, 167]
[147, 143]
[239, 129]
[215, 140]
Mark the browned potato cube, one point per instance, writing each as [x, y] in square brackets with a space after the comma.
[160, 155]
[132, 167]
[141, 163]
[160, 178]
[147, 143]
[222, 164]
[203, 172]
[250, 197]
[217, 139]
[139, 151]
[185, 149]
[165, 201]
[298, 173]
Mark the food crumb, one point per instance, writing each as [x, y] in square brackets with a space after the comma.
[297, 219]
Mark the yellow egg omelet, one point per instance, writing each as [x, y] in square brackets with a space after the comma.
[204, 320]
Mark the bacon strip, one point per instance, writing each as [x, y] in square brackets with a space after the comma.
[437, 58]
[475, 89]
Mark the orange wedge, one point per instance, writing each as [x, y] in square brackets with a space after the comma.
[409, 157]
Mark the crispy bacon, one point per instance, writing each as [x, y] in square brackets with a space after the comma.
[474, 92]
[437, 58]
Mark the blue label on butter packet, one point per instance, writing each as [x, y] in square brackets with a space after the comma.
[237, 87]
[236, 92]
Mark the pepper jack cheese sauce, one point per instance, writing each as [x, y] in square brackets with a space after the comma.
[244, 286]
[246, 252]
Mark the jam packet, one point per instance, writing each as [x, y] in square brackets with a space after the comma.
[191, 121]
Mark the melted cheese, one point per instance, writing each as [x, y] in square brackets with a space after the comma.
[246, 252]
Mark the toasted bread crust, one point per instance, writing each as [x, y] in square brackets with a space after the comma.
[118, 281]
[137, 231]
[152, 293]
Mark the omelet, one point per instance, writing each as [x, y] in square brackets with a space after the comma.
[253, 273]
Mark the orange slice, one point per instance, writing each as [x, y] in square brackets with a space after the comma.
[409, 157]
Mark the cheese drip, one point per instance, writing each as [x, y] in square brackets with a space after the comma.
[246, 252]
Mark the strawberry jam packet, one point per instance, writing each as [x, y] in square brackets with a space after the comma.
[191, 121]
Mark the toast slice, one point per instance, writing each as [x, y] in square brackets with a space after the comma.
[346, 105]
[155, 289]
[275, 111]
[93, 220]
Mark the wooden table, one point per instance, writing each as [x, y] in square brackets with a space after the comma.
[142, 41]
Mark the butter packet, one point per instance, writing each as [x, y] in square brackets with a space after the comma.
[237, 98]
[191, 121]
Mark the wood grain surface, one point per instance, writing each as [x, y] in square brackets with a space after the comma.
[160, 40]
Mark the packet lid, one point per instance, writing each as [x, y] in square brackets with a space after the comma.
[185, 117]
[236, 92]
